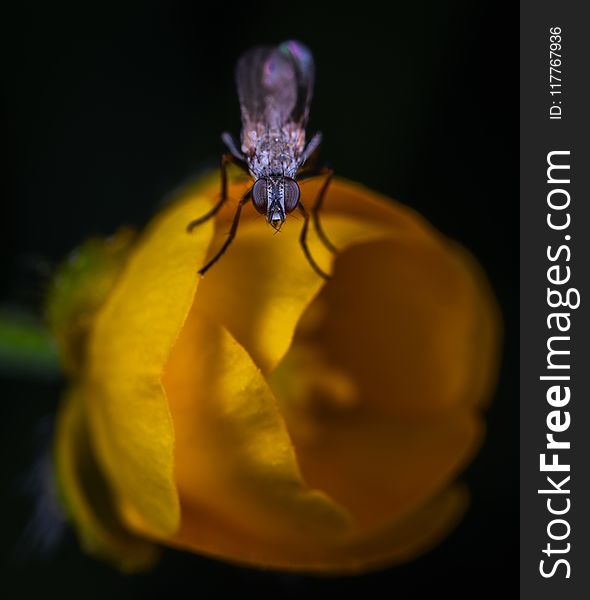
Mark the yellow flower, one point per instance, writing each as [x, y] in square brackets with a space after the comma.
[262, 415]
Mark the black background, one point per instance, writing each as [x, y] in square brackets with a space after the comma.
[107, 108]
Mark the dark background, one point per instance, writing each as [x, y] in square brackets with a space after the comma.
[107, 108]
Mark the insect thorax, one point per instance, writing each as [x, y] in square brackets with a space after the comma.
[272, 152]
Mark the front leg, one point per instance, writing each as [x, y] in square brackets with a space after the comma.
[231, 235]
[226, 159]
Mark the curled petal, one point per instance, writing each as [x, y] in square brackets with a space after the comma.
[236, 470]
[133, 333]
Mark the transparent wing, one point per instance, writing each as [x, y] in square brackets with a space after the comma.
[275, 85]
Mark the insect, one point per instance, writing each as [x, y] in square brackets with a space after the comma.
[275, 86]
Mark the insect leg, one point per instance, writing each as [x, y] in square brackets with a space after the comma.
[225, 160]
[303, 242]
[232, 232]
[315, 211]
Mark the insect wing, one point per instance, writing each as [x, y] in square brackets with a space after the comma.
[275, 85]
[304, 69]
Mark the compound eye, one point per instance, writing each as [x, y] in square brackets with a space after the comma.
[291, 194]
[260, 195]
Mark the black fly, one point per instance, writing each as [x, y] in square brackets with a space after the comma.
[275, 86]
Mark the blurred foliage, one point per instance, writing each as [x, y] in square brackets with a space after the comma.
[26, 347]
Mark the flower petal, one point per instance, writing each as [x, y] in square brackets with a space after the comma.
[132, 337]
[382, 407]
[400, 541]
[202, 531]
[235, 467]
[87, 497]
[425, 334]
[379, 467]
